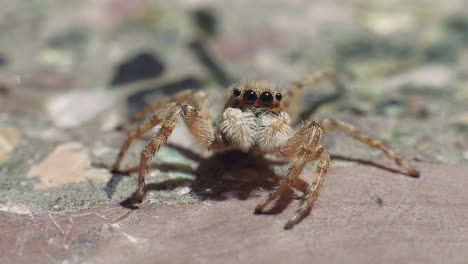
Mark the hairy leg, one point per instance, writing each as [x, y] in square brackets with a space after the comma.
[137, 132]
[313, 189]
[330, 124]
[162, 108]
[300, 148]
[291, 101]
[200, 128]
[198, 98]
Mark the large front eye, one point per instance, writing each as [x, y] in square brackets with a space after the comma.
[250, 97]
[266, 99]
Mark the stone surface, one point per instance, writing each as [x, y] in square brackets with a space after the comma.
[74, 108]
[68, 163]
[363, 215]
[140, 66]
[9, 139]
[405, 68]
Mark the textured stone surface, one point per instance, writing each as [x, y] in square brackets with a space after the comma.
[67, 164]
[9, 139]
[405, 65]
[363, 215]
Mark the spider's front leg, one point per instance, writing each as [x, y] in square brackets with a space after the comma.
[200, 128]
[197, 97]
[301, 148]
[136, 133]
[161, 108]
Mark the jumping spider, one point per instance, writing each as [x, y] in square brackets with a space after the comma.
[255, 119]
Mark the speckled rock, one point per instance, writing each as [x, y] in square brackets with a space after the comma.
[404, 65]
[9, 139]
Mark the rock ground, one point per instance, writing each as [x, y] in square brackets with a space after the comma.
[67, 81]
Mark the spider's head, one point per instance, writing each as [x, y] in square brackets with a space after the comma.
[257, 94]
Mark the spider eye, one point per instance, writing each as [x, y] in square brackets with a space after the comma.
[237, 92]
[278, 96]
[250, 97]
[266, 98]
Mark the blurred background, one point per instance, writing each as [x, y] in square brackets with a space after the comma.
[72, 71]
[68, 63]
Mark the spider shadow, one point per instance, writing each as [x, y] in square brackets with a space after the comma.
[226, 175]
[234, 174]
[372, 164]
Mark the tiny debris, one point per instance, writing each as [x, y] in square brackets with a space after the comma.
[379, 201]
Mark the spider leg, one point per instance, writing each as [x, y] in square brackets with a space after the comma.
[135, 133]
[163, 107]
[301, 148]
[200, 128]
[198, 98]
[330, 124]
[291, 101]
[314, 188]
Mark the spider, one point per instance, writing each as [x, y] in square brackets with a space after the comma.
[257, 118]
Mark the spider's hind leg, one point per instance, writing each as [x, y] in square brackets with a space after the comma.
[295, 92]
[330, 124]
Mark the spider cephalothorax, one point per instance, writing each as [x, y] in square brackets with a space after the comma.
[258, 118]
[259, 95]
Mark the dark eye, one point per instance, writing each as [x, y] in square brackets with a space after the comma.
[237, 92]
[250, 97]
[266, 98]
[278, 96]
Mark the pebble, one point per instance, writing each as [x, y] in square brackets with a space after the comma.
[387, 23]
[13, 207]
[9, 139]
[460, 121]
[74, 108]
[68, 163]
[139, 67]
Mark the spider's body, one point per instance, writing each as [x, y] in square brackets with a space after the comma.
[256, 117]
[253, 119]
